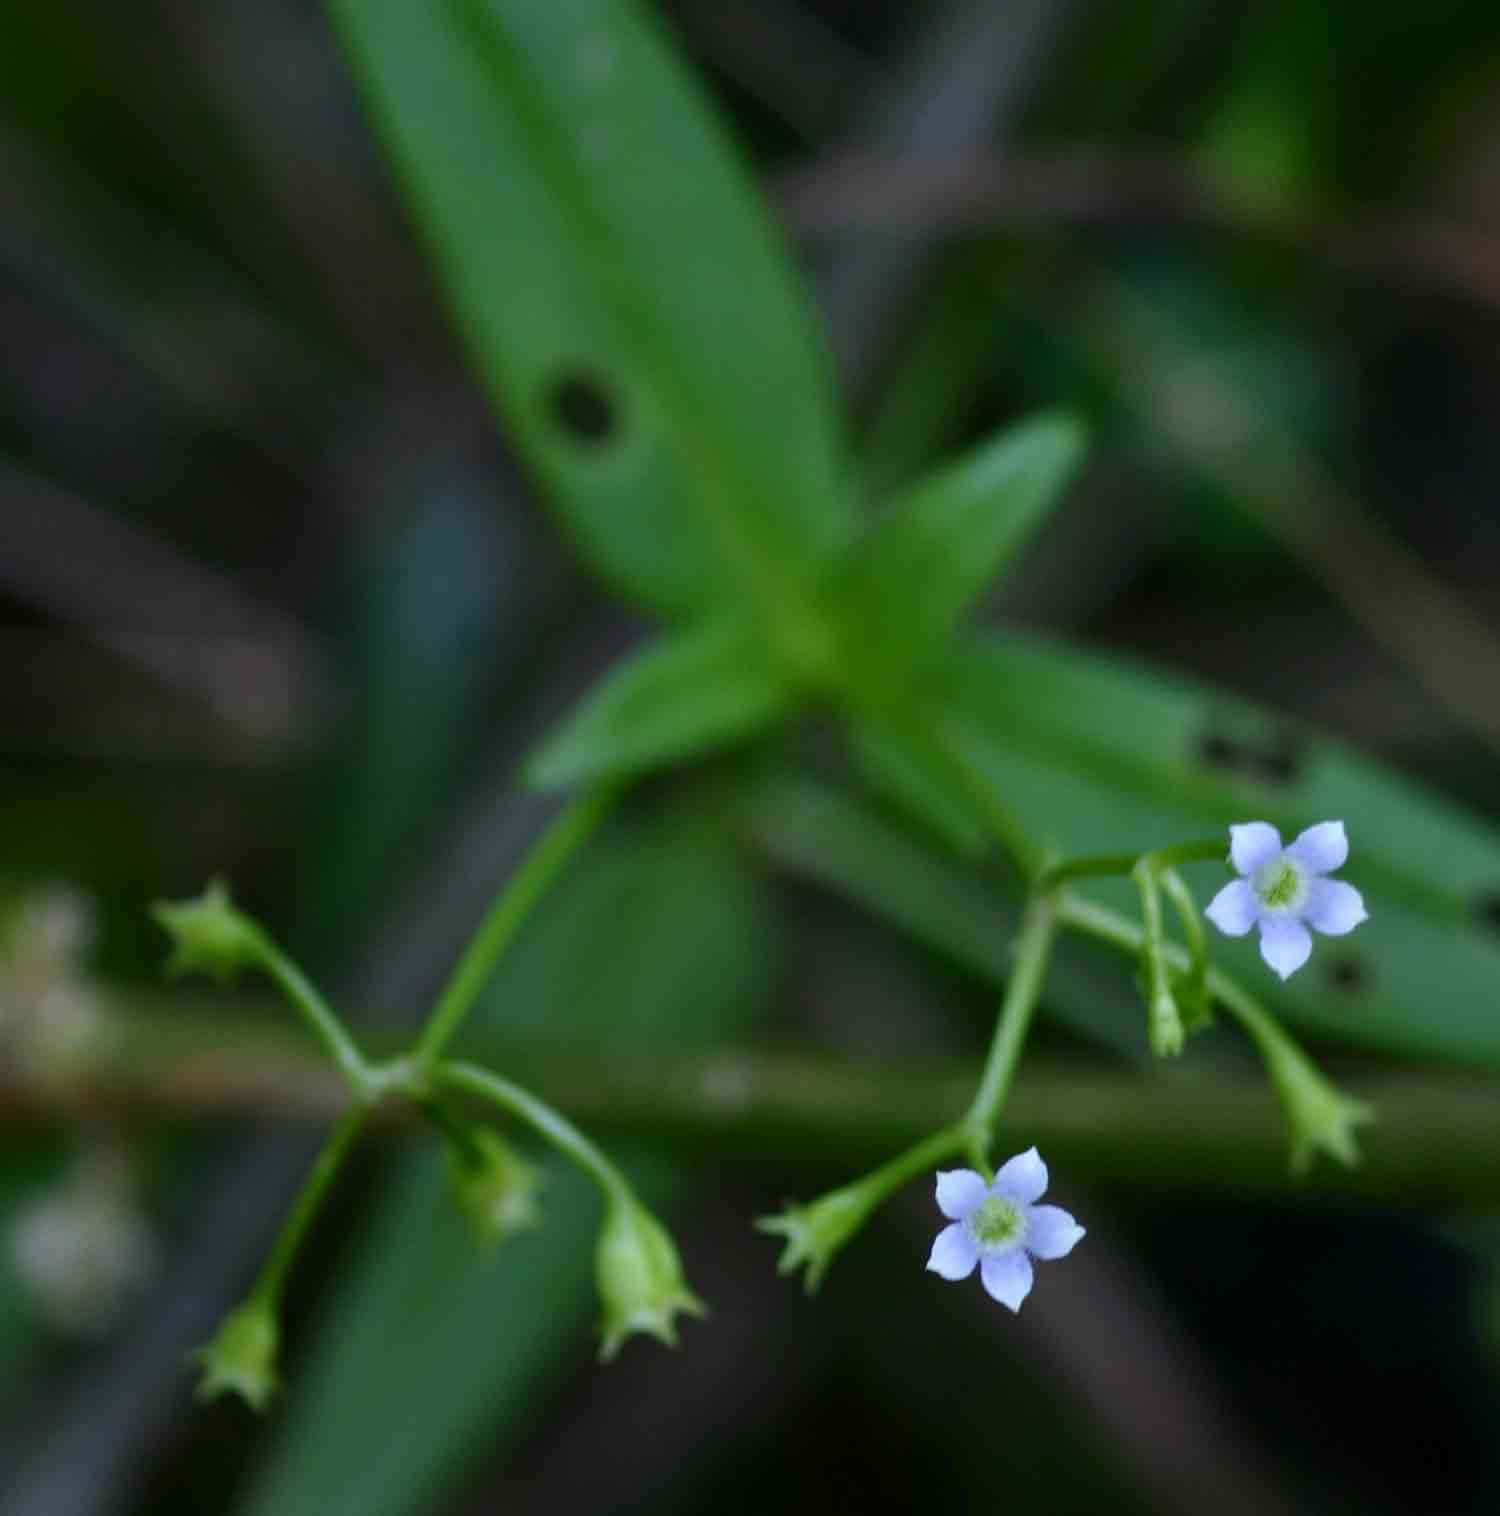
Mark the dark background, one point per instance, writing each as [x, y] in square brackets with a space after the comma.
[275, 602]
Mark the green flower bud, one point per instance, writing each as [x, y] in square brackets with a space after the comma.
[241, 1357]
[492, 1185]
[208, 934]
[816, 1231]
[1164, 1023]
[640, 1276]
[1319, 1116]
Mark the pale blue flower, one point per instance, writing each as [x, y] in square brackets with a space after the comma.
[999, 1227]
[1284, 891]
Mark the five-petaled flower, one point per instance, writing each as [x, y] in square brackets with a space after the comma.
[1283, 891]
[1000, 1227]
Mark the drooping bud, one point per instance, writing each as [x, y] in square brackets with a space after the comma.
[1164, 1025]
[209, 934]
[640, 1276]
[240, 1358]
[492, 1185]
[815, 1232]
[1319, 1116]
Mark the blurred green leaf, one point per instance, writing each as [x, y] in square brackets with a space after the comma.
[689, 692]
[903, 772]
[904, 586]
[434, 1354]
[654, 356]
[1104, 757]
[827, 835]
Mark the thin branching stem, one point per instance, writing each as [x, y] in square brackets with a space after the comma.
[547, 859]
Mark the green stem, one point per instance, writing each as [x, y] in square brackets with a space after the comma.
[458, 1132]
[300, 990]
[1163, 1020]
[272, 1278]
[1109, 926]
[1095, 866]
[1197, 942]
[548, 856]
[920, 1158]
[1033, 947]
[471, 1079]
[1099, 865]
[1204, 850]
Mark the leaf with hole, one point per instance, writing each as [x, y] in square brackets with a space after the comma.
[686, 694]
[621, 289]
[904, 587]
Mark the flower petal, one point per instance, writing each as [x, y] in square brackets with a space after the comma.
[1322, 848]
[1007, 1277]
[1023, 1178]
[1284, 943]
[1234, 909]
[1051, 1232]
[959, 1192]
[1334, 907]
[1253, 844]
[955, 1253]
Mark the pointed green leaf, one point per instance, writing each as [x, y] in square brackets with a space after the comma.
[621, 289]
[904, 587]
[1100, 756]
[685, 694]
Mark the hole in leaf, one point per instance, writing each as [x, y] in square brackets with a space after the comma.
[1217, 751]
[1272, 761]
[1487, 911]
[1347, 972]
[1277, 765]
[582, 407]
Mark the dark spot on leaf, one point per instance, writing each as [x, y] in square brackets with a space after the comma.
[1347, 972]
[1217, 751]
[1487, 911]
[1277, 765]
[1272, 761]
[582, 407]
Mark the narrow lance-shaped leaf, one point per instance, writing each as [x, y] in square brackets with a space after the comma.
[686, 694]
[621, 290]
[904, 587]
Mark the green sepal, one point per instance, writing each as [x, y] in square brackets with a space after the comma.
[640, 1280]
[240, 1358]
[209, 934]
[815, 1232]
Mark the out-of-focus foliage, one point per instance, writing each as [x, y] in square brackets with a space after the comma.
[218, 334]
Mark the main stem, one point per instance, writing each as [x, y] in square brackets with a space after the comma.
[1033, 948]
[548, 856]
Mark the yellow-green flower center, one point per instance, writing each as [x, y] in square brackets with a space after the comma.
[1280, 885]
[996, 1223]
